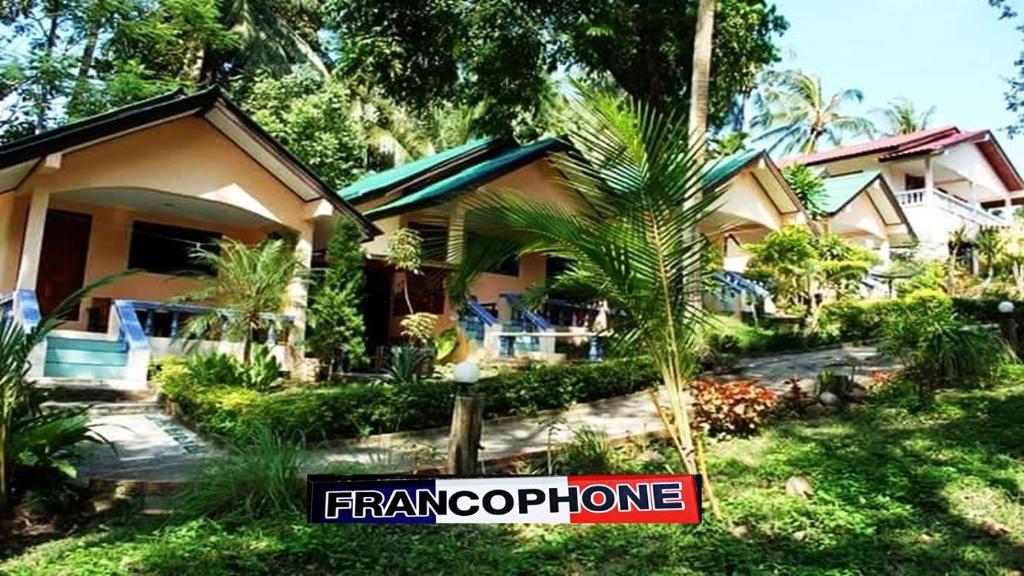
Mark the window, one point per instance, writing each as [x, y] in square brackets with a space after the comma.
[913, 182]
[163, 249]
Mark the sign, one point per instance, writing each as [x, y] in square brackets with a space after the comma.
[658, 498]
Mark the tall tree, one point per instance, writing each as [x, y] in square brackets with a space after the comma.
[796, 114]
[701, 79]
[902, 117]
[501, 52]
[642, 191]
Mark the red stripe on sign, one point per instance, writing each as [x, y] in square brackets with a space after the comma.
[655, 498]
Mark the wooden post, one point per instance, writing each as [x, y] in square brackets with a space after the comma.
[1008, 328]
[464, 444]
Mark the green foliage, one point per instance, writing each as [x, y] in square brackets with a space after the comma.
[466, 52]
[855, 320]
[350, 409]
[336, 324]
[807, 185]
[419, 328]
[405, 250]
[727, 335]
[446, 344]
[250, 281]
[405, 364]
[311, 116]
[903, 117]
[259, 476]
[882, 479]
[805, 270]
[217, 369]
[589, 452]
[796, 114]
[937, 348]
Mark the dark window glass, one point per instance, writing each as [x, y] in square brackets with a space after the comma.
[165, 249]
[913, 182]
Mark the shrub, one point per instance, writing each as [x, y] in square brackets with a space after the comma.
[218, 369]
[847, 320]
[257, 478]
[938, 348]
[731, 408]
[349, 409]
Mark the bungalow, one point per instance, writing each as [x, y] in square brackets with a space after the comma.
[138, 188]
[429, 196]
[944, 179]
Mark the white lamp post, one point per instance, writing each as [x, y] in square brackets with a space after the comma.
[1008, 324]
[467, 422]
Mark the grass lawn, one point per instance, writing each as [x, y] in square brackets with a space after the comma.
[894, 494]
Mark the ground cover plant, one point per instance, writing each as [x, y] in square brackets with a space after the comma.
[894, 492]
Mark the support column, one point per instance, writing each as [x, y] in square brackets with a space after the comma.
[297, 291]
[28, 270]
[1007, 208]
[929, 175]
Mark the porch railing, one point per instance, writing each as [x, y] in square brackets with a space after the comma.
[565, 313]
[22, 307]
[475, 319]
[178, 314]
[951, 204]
[507, 347]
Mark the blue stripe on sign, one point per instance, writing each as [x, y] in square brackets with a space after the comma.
[374, 502]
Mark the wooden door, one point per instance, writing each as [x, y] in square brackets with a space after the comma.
[62, 258]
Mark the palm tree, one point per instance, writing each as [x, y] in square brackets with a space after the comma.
[642, 192]
[903, 117]
[700, 79]
[248, 287]
[989, 243]
[796, 114]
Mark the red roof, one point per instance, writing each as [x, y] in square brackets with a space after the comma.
[922, 142]
[882, 145]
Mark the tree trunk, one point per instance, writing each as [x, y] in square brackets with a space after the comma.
[701, 78]
[53, 12]
[3, 464]
[92, 37]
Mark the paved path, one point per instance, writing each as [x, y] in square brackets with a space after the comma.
[152, 447]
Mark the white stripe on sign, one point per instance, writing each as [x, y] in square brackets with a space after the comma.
[504, 500]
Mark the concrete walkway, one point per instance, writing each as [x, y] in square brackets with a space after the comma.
[151, 447]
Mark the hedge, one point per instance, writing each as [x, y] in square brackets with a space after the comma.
[351, 409]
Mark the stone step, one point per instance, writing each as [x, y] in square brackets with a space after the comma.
[95, 390]
[90, 357]
[107, 408]
[90, 344]
[83, 371]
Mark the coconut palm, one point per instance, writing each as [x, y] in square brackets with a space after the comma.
[902, 117]
[701, 78]
[248, 289]
[796, 114]
[642, 192]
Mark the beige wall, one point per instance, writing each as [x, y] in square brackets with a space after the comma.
[186, 157]
[109, 243]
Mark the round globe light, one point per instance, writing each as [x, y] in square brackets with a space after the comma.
[1006, 307]
[466, 372]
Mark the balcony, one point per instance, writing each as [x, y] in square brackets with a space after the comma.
[960, 208]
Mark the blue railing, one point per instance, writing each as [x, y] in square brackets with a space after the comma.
[474, 320]
[179, 313]
[522, 311]
[736, 283]
[129, 329]
[22, 307]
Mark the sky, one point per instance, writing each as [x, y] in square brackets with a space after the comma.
[951, 54]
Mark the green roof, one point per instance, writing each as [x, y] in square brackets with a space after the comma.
[470, 177]
[365, 187]
[839, 190]
[729, 166]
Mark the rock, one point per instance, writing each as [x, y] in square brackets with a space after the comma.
[829, 399]
[800, 536]
[857, 394]
[799, 486]
[650, 457]
[740, 531]
[993, 528]
[925, 538]
[814, 410]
